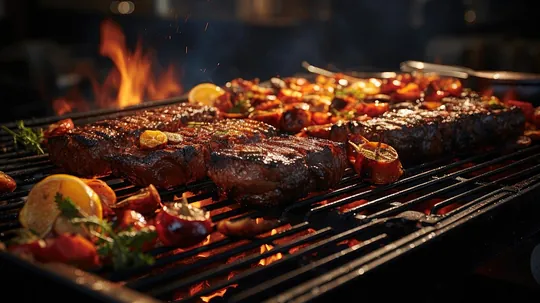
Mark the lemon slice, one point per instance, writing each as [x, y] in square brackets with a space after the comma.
[40, 211]
[205, 93]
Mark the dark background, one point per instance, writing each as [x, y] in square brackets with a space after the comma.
[42, 41]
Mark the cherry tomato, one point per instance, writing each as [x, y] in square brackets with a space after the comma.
[182, 225]
[65, 248]
[410, 92]
[526, 107]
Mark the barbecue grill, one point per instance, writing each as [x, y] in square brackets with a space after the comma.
[434, 222]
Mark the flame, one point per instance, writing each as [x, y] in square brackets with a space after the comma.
[268, 247]
[62, 106]
[130, 82]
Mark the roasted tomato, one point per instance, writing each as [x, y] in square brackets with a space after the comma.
[182, 225]
[295, 118]
[289, 96]
[389, 86]
[59, 128]
[526, 107]
[145, 201]
[271, 117]
[536, 117]
[377, 162]
[411, 91]
[7, 184]
[451, 86]
[131, 219]
[223, 103]
[268, 104]
[65, 248]
[374, 109]
[319, 118]
[105, 192]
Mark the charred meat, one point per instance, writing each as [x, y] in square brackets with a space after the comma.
[84, 151]
[278, 170]
[183, 158]
[416, 133]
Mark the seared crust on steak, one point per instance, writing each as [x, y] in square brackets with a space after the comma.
[278, 170]
[183, 162]
[85, 150]
[418, 134]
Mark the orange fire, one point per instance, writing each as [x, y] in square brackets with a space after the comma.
[130, 83]
[268, 247]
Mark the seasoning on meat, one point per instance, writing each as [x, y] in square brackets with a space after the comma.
[277, 170]
[85, 151]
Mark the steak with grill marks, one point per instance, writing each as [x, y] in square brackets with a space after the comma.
[182, 162]
[418, 134]
[85, 150]
[277, 170]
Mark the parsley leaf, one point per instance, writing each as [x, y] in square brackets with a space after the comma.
[124, 248]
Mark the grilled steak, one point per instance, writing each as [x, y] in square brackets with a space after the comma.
[84, 151]
[182, 162]
[278, 170]
[418, 134]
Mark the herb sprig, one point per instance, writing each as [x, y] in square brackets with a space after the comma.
[29, 138]
[124, 248]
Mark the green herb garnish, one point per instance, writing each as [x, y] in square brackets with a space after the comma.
[29, 138]
[241, 106]
[124, 248]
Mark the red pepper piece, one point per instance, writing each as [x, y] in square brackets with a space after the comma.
[7, 184]
[65, 248]
[182, 225]
[145, 201]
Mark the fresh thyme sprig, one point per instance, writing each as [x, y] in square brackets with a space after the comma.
[29, 138]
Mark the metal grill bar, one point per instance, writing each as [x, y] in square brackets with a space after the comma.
[438, 180]
[161, 290]
[300, 272]
[359, 267]
[395, 209]
[147, 282]
[455, 198]
[381, 189]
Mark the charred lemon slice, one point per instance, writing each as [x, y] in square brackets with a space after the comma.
[40, 211]
[205, 93]
[151, 139]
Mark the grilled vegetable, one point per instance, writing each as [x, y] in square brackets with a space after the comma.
[145, 201]
[123, 248]
[246, 227]
[40, 211]
[295, 118]
[182, 225]
[152, 139]
[7, 184]
[66, 248]
[526, 107]
[377, 162]
[29, 138]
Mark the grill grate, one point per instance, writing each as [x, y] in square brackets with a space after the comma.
[324, 241]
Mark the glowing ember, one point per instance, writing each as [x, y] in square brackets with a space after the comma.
[267, 247]
[132, 80]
